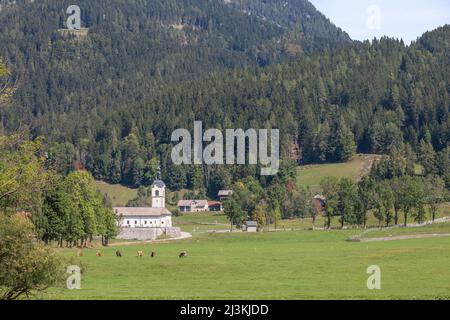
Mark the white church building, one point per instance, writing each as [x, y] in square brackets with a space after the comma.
[156, 216]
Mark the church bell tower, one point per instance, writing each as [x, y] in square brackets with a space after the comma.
[158, 191]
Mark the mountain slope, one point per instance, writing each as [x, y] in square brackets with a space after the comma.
[111, 100]
[136, 47]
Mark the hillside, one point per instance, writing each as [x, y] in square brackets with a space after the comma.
[164, 41]
[312, 175]
[110, 100]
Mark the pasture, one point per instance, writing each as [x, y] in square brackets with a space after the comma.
[271, 265]
[118, 194]
[312, 175]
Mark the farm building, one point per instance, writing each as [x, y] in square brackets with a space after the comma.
[215, 206]
[224, 194]
[250, 226]
[193, 205]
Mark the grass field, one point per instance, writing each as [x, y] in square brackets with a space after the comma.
[312, 175]
[118, 194]
[202, 222]
[213, 221]
[283, 265]
[437, 228]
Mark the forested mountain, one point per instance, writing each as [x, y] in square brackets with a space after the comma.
[298, 15]
[110, 100]
[149, 42]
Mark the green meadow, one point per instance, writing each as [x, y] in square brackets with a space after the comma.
[293, 263]
[119, 195]
[271, 265]
[312, 175]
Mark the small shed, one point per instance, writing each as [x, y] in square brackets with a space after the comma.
[251, 226]
[224, 194]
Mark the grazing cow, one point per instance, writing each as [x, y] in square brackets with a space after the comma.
[140, 254]
[153, 254]
[183, 254]
[80, 253]
[118, 254]
[99, 253]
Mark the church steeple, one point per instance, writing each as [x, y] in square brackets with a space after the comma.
[158, 191]
[158, 172]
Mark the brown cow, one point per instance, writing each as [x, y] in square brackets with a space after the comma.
[118, 254]
[99, 253]
[153, 254]
[183, 254]
[80, 253]
[140, 254]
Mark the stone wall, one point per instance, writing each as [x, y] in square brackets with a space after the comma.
[147, 233]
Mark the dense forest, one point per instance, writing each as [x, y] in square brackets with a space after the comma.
[109, 101]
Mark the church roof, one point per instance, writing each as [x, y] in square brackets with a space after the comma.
[159, 183]
[134, 211]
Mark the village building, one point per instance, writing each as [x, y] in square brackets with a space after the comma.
[215, 206]
[147, 223]
[143, 217]
[224, 194]
[156, 216]
[193, 206]
[250, 226]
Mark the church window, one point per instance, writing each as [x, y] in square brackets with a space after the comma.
[157, 193]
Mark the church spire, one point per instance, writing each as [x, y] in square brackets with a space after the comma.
[158, 171]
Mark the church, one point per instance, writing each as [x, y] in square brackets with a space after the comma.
[156, 216]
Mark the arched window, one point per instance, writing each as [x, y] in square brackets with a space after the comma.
[157, 193]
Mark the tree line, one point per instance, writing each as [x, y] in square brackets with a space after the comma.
[391, 193]
[65, 210]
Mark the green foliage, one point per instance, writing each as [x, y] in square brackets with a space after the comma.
[330, 189]
[234, 212]
[383, 202]
[3, 69]
[347, 199]
[206, 60]
[26, 266]
[259, 215]
[22, 175]
[63, 209]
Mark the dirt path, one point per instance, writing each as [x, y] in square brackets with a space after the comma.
[406, 237]
[184, 235]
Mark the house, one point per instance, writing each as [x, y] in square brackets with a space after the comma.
[224, 194]
[215, 206]
[193, 205]
[156, 216]
[250, 226]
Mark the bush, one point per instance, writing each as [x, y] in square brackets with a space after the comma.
[26, 265]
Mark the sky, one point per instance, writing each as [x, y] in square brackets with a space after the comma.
[368, 19]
